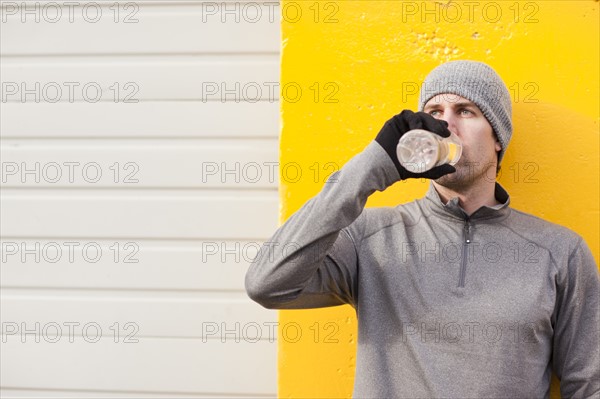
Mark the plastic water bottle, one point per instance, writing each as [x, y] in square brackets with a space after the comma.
[420, 150]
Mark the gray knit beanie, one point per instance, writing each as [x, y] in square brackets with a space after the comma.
[479, 83]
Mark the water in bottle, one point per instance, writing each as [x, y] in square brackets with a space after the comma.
[420, 150]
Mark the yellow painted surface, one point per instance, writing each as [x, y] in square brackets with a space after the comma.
[348, 66]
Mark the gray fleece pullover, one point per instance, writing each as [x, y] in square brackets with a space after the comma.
[448, 305]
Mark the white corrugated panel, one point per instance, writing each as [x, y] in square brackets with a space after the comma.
[139, 177]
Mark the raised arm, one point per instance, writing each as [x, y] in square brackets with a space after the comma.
[311, 260]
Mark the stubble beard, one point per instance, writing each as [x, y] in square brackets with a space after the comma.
[467, 175]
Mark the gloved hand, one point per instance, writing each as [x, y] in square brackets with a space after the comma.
[407, 120]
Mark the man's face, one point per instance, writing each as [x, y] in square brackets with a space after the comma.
[479, 143]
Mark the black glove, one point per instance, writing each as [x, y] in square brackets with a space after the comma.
[407, 120]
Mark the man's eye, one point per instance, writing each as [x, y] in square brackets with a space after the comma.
[434, 113]
[466, 112]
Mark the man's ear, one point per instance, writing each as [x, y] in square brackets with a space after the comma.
[498, 146]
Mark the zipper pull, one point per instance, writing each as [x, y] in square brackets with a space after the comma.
[467, 231]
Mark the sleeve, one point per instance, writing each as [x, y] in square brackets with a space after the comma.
[576, 347]
[311, 260]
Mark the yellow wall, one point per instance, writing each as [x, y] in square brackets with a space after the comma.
[365, 60]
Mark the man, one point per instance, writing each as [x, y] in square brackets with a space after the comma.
[457, 295]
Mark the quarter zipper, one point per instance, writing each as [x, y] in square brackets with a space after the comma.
[465, 251]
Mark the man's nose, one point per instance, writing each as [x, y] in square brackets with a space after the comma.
[449, 117]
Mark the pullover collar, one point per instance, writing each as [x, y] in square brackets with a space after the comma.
[454, 211]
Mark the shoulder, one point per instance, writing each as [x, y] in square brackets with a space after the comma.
[533, 226]
[560, 241]
[376, 220]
